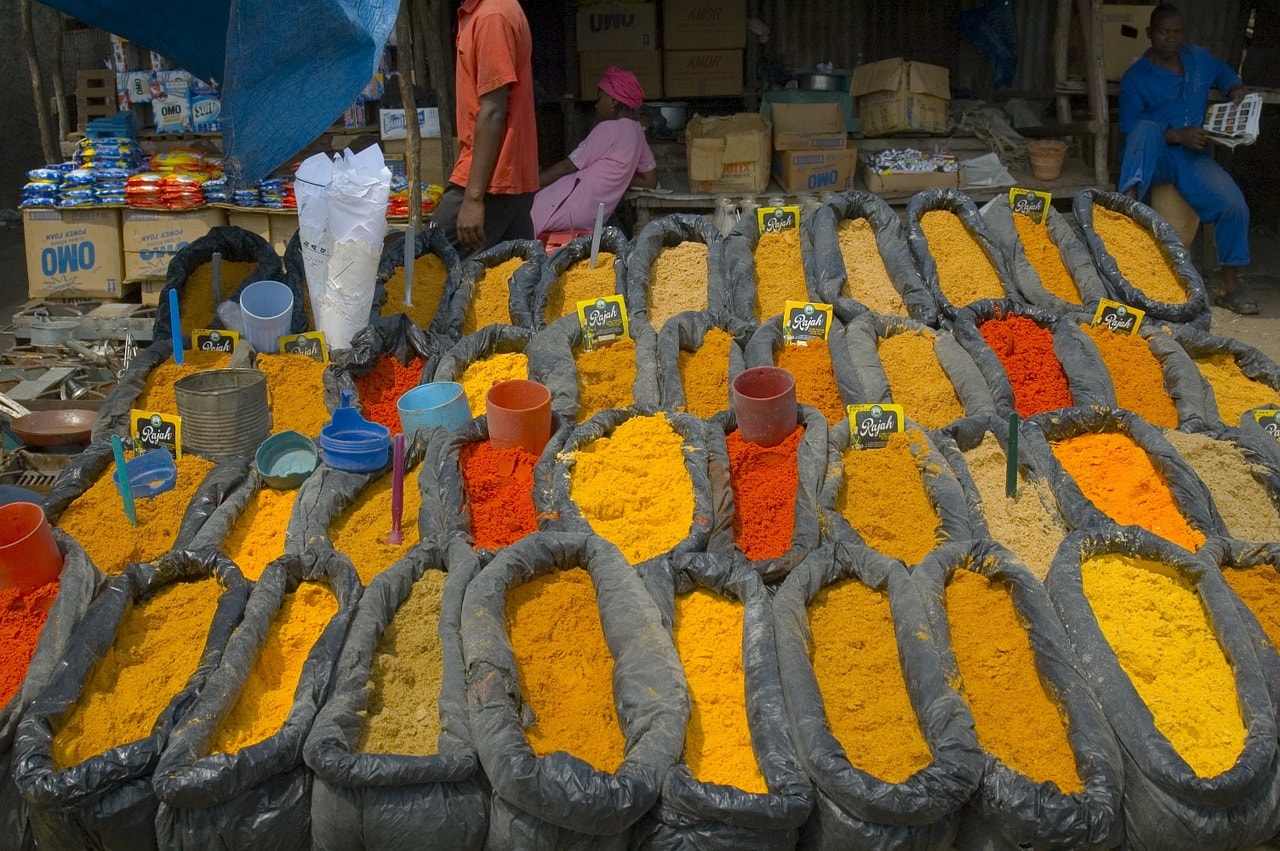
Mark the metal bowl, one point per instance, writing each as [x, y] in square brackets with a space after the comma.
[819, 82]
[675, 113]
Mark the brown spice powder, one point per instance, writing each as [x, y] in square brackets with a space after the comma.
[677, 282]
[779, 273]
[866, 278]
[917, 380]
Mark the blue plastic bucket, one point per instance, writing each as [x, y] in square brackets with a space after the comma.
[439, 403]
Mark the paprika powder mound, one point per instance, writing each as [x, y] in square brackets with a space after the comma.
[429, 276]
[764, 482]
[23, 612]
[677, 281]
[360, 531]
[606, 376]
[866, 277]
[381, 388]
[157, 391]
[779, 273]
[917, 380]
[965, 272]
[499, 485]
[578, 283]
[1234, 392]
[1136, 375]
[704, 374]
[882, 496]
[490, 303]
[1140, 258]
[295, 393]
[1025, 350]
[480, 375]
[1258, 587]
[815, 377]
[1046, 258]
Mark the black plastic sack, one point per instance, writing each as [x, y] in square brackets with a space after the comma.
[493, 340]
[998, 218]
[551, 361]
[1166, 805]
[107, 801]
[811, 466]
[954, 201]
[1010, 810]
[393, 336]
[862, 337]
[1190, 494]
[668, 232]
[685, 332]
[740, 264]
[768, 339]
[829, 268]
[1251, 361]
[853, 809]
[575, 250]
[520, 286]
[1087, 375]
[395, 801]
[695, 814]
[236, 245]
[429, 240]
[558, 801]
[1195, 310]
[259, 797]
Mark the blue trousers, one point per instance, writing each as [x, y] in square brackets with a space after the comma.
[1205, 185]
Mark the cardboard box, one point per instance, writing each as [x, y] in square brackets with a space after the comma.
[896, 96]
[1124, 37]
[150, 290]
[909, 183]
[284, 225]
[618, 26]
[701, 73]
[73, 253]
[431, 152]
[704, 24]
[254, 221]
[392, 124]
[729, 154]
[645, 64]
[816, 171]
[152, 238]
[808, 126]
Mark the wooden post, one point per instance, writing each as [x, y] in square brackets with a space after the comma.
[413, 133]
[1061, 44]
[1098, 104]
[440, 53]
[59, 89]
[47, 150]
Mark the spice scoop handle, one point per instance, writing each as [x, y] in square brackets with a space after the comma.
[397, 489]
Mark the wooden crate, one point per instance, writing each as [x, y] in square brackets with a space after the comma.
[95, 96]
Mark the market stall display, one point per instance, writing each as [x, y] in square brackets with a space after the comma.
[569, 277]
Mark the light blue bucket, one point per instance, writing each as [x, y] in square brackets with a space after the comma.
[439, 403]
[266, 309]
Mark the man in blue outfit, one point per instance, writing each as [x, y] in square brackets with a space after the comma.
[1163, 98]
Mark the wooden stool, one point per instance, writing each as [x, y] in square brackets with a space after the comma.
[1169, 203]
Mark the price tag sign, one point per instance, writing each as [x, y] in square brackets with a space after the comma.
[311, 344]
[214, 340]
[804, 321]
[1269, 419]
[152, 429]
[603, 320]
[1030, 203]
[871, 425]
[1117, 317]
[778, 219]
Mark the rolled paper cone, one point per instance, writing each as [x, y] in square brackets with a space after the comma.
[1011, 469]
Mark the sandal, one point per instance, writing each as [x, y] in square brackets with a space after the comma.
[1236, 303]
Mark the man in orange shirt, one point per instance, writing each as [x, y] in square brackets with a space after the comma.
[491, 189]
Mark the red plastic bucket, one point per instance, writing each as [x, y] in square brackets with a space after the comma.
[519, 414]
[764, 404]
[29, 555]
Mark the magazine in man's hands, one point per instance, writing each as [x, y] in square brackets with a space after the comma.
[1230, 124]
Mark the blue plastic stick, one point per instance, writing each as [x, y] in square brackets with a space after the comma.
[175, 326]
[126, 490]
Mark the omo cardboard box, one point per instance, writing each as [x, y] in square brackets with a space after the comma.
[1124, 37]
[896, 96]
[618, 26]
[152, 238]
[702, 73]
[704, 24]
[729, 154]
[645, 64]
[73, 253]
[808, 126]
[816, 171]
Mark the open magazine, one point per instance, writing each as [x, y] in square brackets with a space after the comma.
[1232, 125]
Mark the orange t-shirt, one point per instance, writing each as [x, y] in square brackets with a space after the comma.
[495, 49]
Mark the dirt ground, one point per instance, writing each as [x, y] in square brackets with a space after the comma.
[1261, 283]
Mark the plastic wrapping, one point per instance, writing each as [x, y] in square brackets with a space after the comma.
[954, 201]
[558, 801]
[685, 332]
[395, 801]
[260, 796]
[668, 232]
[1252, 362]
[853, 809]
[577, 249]
[107, 800]
[1010, 810]
[830, 275]
[1166, 805]
[740, 265]
[520, 287]
[429, 240]
[552, 363]
[768, 338]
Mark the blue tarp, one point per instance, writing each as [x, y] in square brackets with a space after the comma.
[285, 68]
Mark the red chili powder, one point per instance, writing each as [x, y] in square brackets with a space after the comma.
[499, 486]
[764, 481]
[22, 616]
[383, 386]
[1026, 353]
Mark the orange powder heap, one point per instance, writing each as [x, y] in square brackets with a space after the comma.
[257, 538]
[779, 273]
[883, 497]
[815, 377]
[1259, 589]
[1136, 375]
[605, 377]
[704, 374]
[490, 303]
[965, 272]
[917, 380]
[1045, 257]
[579, 283]
[360, 531]
[1139, 256]
[157, 390]
[295, 393]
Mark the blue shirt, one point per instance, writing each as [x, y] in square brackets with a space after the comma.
[1151, 93]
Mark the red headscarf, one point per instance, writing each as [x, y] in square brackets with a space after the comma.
[623, 87]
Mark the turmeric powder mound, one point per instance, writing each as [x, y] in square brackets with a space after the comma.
[97, 521]
[1155, 622]
[917, 380]
[257, 537]
[195, 301]
[965, 272]
[1116, 475]
[717, 743]
[565, 668]
[1259, 589]
[157, 390]
[605, 377]
[156, 649]
[866, 278]
[481, 375]
[704, 374]
[815, 377]
[295, 393]
[1141, 260]
[405, 674]
[267, 695]
[677, 282]
[882, 496]
[579, 283]
[429, 275]
[1016, 717]
[1046, 258]
[864, 691]
[1235, 392]
[491, 301]
[1136, 375]
[360, 531]
[779, 273]
[633, 489]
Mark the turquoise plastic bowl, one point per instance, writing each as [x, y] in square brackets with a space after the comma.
[285, 460]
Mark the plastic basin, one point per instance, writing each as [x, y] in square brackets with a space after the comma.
[285, 460]
[150, 474]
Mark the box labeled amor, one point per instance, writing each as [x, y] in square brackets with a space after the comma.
[704, 24]
[701, 73]
[729, 154]
[618, 26]
[897, 96]
[73, 253]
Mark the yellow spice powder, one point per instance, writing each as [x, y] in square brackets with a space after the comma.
[704, 374]
[717, 744]
[195, 302]
[157, 390]
[882, 495]
[866, 278]
[1046, 258]
[779, 273]
[295, 393]
[579, 283]
[1155, 622]
[606, 376]
[965, 272]
[490, 303]
[429, 274]
[257, 537]
[482, 374]
[677, 282]
[361, 530]
[917, 380]
[1139, 256]
[1235, 392]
